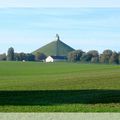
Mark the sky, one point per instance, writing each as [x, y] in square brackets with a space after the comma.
[59, 3]
[27, 25]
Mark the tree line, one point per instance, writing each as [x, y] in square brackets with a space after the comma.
[13, 56]
[93, 56]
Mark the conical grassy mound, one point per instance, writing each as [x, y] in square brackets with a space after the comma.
[55, 48]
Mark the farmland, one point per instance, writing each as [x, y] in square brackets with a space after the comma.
[59, 87]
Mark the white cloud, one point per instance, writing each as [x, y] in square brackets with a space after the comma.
[60, 3]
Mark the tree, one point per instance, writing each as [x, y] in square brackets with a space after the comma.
[95, 60]
[119, 57]
[93, 56]
[85, 57]
[114, 58]
[93, 53]
[16, 56]
[71, 57]
[3, 57]
[75, 56]
[40, 56]
[10, 54]
[30, 57]
[105, 57]
[24, 56]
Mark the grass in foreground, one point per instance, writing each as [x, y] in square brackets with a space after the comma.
[59, 87]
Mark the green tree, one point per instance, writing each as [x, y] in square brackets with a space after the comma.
[16, 57]
[40, 56]
[105, 56]
[85, 57]
[10, 54]
[119, 57]
[22, 56]
[75, 56]
[114, 58]
[93, 53]
[3, 57]
[95, 60]
[93, 56]
[30, 57]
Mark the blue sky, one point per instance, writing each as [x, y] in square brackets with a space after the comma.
[27, 27]
[59, 3]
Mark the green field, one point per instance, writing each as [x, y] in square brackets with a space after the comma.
[59, 87]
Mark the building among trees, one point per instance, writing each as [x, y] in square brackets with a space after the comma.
[55, 59]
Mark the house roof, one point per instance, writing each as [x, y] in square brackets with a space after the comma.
[59, 57]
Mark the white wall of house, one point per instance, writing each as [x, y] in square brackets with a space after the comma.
[49, 59]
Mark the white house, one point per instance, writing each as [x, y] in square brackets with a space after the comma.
[49, 59]
[55, 58]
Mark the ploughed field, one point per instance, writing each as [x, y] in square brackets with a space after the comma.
[59, 87]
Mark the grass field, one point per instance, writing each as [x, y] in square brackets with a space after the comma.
[59, 87]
